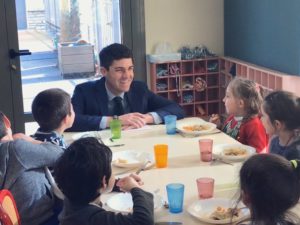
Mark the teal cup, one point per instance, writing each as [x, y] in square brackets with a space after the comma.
[175, 192]
[170, 122]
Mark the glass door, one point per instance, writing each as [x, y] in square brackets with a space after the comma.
[64, 37]
[59, 41]
[55, 43]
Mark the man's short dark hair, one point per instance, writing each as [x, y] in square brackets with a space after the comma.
[2, 126]
[50, 107]
[114, 52]
[80, 170]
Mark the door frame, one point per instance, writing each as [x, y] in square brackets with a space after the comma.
[133, 34]
[11, 99]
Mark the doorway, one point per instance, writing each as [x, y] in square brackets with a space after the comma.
[53, 29]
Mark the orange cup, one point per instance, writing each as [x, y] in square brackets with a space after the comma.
[161, 155]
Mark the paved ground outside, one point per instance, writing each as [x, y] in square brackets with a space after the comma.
[40, 70]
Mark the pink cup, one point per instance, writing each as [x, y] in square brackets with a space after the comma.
[205, 146]
[205, 187]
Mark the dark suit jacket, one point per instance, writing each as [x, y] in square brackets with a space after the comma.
[90, 103]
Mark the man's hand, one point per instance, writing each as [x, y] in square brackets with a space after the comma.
[134, 120]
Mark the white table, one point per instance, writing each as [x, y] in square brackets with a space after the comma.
[184, 166]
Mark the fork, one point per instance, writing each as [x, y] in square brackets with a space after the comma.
[142, 167]
[182, 134]
[220, 159]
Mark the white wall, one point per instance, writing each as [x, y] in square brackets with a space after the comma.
[185, 22]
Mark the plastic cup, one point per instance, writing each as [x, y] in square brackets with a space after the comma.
[161, 155]
[175, 192]
[115, 128]
[205, 146]
[170, 122]
[205, 187]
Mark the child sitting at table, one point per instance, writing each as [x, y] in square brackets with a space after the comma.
[52, 110]
[83, 173]
[270, 186]
[242, 102]
[22, 165]
[281, 118]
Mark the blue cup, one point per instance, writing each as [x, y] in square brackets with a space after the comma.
[175, 193]
[170, 121]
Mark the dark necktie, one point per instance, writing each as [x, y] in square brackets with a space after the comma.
[118, 106]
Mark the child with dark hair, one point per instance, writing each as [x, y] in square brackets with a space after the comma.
[22, 165]
[83, 173]
[281, 118]
[52, 110]
[242, 102]
[270, 186]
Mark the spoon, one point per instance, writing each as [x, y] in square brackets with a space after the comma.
[142, 167]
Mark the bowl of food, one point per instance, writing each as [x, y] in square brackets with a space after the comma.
[218, 211]
[234, 152]
[195, 126]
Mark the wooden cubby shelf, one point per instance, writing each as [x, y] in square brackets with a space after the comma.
[268, 79]
[194, 84]
[177, 80]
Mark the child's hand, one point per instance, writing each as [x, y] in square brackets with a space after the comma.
[127, 183]
[215, 118]
[137, 178]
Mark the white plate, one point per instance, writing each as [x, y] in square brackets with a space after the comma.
[210, 127]
[221, 149]
[202, 209]
[95, 134]
[122, 202]
[129, 159]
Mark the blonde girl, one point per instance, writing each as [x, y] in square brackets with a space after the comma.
[242, 102]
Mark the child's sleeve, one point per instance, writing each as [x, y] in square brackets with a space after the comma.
[36, 155]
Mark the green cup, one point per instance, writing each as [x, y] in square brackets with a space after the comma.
[115, 128]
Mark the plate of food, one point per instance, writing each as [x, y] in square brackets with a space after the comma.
[218, 211]
[234, 152]
[122, 202]
[128, 159]
[195, 126]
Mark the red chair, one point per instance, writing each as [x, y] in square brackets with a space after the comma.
[9, 214]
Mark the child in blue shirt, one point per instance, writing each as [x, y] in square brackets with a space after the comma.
[22, 165]
[281, 119]
[52, 110]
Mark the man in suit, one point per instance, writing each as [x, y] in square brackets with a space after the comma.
[116, 93]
